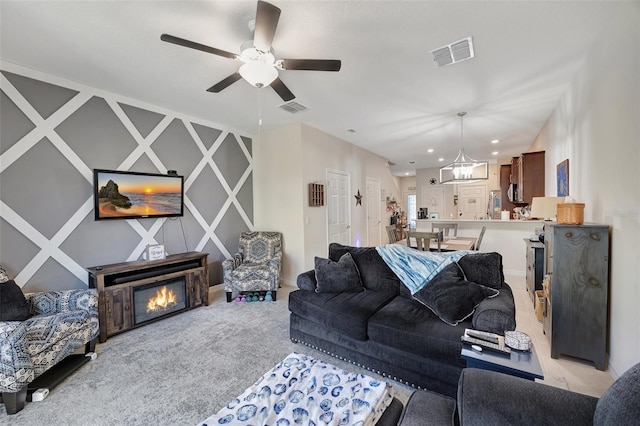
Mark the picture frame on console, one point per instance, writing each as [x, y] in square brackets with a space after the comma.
[156, 252]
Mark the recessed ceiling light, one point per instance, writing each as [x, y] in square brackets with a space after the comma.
[430, 150]
[494, 153]
[495, 141]
[440, 159]
[407, 174]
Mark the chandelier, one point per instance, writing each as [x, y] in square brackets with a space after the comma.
[464, 169]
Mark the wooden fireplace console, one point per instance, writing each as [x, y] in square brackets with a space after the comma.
[116, 282]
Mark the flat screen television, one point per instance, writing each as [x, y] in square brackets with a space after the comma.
[133, 195]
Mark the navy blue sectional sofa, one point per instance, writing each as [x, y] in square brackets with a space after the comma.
[386, 330]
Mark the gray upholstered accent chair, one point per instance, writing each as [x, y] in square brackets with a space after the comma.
[256, 267]
[490, 398]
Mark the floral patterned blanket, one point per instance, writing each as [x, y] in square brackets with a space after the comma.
[302, 390]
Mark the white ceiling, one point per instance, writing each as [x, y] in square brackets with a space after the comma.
[388, 90]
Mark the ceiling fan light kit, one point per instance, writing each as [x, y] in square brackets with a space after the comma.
[464, 169]
[260, 66]
[258, 74]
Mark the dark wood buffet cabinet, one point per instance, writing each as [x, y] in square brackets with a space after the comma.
[577, 263]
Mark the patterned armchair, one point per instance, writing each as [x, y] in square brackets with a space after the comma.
[257, 265]
[61, 323]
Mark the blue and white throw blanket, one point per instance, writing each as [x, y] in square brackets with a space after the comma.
[302, 390]
[416, 268]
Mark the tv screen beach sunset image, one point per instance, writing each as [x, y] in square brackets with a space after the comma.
[122, 195]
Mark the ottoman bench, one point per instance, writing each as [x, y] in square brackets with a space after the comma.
[301, 389]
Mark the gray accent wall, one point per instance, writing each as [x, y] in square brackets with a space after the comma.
[51, 139]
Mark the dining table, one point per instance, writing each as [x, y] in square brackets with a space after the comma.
[447, 243]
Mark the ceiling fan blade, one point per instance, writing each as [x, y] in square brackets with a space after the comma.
[282, 90]
[267, 17]
[312, 64]
[223, 84]
[193, 45]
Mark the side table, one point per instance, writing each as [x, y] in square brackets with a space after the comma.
[519, 363]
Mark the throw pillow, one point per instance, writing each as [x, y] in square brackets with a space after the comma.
[451, 297]
[4, 277]
[337, 277]
[483, 268]
[374, 272]
[13, 305]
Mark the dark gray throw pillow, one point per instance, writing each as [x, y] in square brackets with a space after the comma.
[13, 305]
[337, 277]
[374, 272]
[483, 268]
[451, 297]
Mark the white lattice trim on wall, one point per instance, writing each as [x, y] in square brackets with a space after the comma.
[45, 128]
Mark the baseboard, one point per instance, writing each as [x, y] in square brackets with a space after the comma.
[515, 272]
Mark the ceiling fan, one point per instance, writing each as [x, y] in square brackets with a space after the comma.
[260, 67]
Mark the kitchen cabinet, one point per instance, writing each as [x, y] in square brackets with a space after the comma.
[575, 318]
[505, 180]
[530, 176]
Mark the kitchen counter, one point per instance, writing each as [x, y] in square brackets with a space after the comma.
[502, 236]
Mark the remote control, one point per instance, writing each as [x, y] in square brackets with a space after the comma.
[482, 335]
[502, 349]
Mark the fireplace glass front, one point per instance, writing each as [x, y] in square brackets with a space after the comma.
[159, 299]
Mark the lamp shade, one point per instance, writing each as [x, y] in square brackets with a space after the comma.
[258, 74]
[464, 170]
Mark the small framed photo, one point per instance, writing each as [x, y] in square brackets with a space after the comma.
[155, 252]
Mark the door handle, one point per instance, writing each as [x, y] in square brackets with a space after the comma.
[348, 226]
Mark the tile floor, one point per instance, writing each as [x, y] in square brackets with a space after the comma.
[566, 372]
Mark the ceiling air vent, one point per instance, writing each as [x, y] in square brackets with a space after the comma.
[454, 52]
[293, 107]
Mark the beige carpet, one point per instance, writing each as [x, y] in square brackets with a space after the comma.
[177, 371]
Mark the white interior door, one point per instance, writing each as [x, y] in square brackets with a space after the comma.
[338, 223]
[433, 199]
[374, 224]
[472, 201]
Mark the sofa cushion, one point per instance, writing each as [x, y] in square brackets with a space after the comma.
[451, 297]
[409, 326]
[346, 313]
[337, 277]
[498, 314]
[483, 268]
[374, 272]
[46, 331]
[619, 404]
[423, 405]
[13, 304]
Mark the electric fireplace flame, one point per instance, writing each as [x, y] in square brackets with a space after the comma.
[163, 300]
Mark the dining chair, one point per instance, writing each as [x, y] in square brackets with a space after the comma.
[423, 240]
[437, 227]
[479, 240]
[392, 233]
